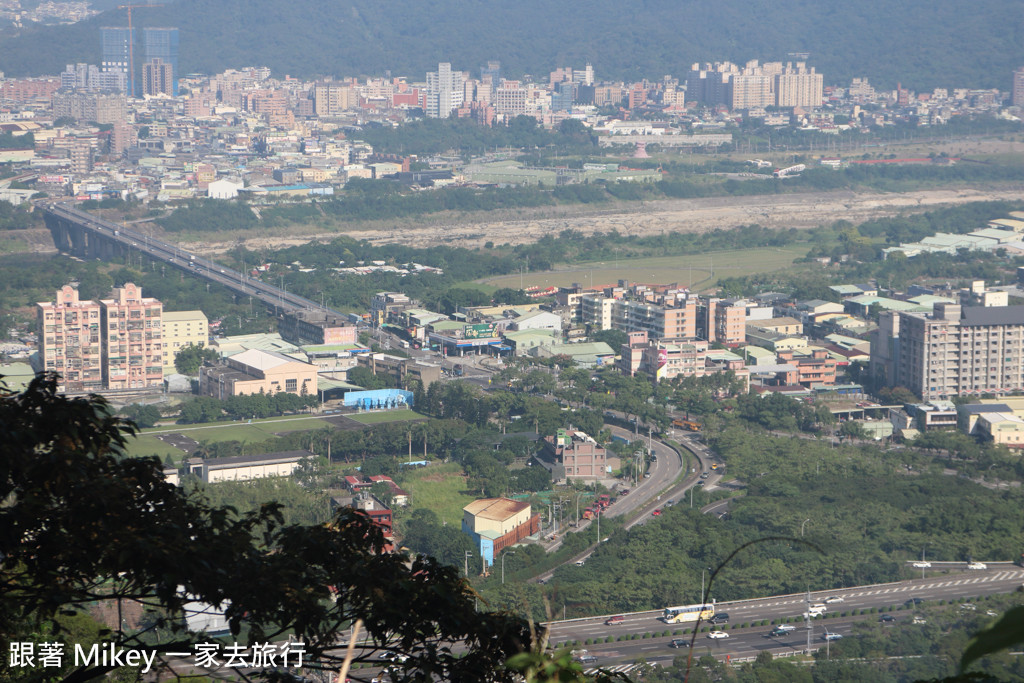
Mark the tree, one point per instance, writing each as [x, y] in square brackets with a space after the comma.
[83, 523]
[144, 416]
[190, 358]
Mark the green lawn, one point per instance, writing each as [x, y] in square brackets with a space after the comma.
[386, 416]
[440, 488]
[150, 445]
[699, 271]
[213, 432]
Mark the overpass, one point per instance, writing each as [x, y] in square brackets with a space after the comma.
[86, 236]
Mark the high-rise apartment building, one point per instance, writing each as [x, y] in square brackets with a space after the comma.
[162, 44]
[132, 345]
[1018, 87]
[69, 340]
[676, 320]
[798, 86]
[158, 78]
[118, 45]
[330, 99]
[98, 107]
[444, 91]
[952, 351]
[510, 99]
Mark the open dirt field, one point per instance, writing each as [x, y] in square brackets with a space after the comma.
[684, 215]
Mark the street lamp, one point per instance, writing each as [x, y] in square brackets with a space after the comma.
[510, 552]
[802, 527]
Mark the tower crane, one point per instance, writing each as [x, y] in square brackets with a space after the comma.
[131, 42]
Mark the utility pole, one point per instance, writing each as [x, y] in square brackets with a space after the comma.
[510, 552]
[465, 563]
[807, 620]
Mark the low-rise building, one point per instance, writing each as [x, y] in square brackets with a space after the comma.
[246, 467]
[579, 456]
[317, 327]
[402, 369]
[497, 523]
[257, 372]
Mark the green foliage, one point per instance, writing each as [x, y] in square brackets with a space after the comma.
[145, 416]
[92, 525]
[190, 358]
[17, 217]
[209, 214]
[12, 141]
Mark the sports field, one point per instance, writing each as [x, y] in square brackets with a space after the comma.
[699, 271]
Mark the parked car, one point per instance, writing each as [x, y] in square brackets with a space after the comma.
[920, 620]
[580, 563]
[615, 620]
[679, 642]
[718, 635]
[656, 513]
[887, 618]
[977, 565]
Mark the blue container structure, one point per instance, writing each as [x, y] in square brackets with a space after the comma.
[379, 399]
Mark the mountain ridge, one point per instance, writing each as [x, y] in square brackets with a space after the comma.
[921, 44]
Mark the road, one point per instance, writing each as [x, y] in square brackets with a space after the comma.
[196, 266]
[748, 642]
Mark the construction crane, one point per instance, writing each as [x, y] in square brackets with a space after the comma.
[131, 43]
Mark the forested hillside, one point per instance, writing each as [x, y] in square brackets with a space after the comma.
[943, 43]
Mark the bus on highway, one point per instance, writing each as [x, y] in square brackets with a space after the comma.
[679, 615]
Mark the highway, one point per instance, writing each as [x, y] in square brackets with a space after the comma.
[748, 642]
[211, 271]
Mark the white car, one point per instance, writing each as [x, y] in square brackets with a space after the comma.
[716, 635]
[977, 565]
[834, 599]
[785, 627]
[920, 620]
[832, 636]
[922, 565]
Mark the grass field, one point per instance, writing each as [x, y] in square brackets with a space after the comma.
[150, 445]
[440, 488]
[386, 416]
[699, 271]
[213, 432]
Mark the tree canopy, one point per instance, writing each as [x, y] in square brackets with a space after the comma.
[83, 523]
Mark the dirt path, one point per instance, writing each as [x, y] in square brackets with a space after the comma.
[674, 215]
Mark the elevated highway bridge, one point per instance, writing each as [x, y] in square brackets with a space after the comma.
[81, 234]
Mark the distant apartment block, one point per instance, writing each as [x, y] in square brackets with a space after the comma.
[663, 358]
[1018, 87]
[132, 339]
[444, 91]
[162, 46]
[952, 351]
[158, 78]
[181, 329]
[114, 343]
[117, 46]
[70, 340]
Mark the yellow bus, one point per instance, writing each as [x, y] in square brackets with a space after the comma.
[685, 613]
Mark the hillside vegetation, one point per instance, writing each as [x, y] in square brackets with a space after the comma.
[943, 43]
